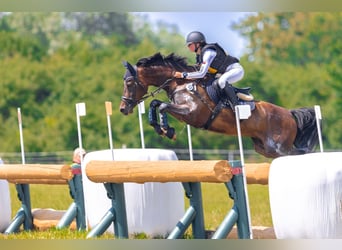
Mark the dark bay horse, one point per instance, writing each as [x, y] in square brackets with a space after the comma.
[275, 131]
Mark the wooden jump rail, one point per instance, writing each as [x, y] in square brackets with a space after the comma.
[190, 173]
[158, 171]
[172, 171]
[24, 174]
[257, 173]
[36, 173]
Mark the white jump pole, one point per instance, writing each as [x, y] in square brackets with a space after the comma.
[80, 111]
[318, 118]
[108, 106]
[21, 137]
[141, 110]
[190, 142]
[243, 112]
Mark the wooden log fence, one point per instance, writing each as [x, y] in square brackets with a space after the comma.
[114, 173]
[24, 174]
[36, 173]
[158, 171]
[172, 171]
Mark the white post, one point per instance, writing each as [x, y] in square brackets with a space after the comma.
[190, 142]
[21, 137]
[141, 110]
[243, 112]
[318, 118]
[80, 111]
[108, 106]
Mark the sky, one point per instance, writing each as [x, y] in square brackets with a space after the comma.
[214, 25]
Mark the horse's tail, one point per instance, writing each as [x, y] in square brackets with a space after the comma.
[307, 134]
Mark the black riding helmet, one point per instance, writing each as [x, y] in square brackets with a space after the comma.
[195, 37]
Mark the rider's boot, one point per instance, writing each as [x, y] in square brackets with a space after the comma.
[230, 93]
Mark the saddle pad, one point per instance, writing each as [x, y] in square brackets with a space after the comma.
[213, 93]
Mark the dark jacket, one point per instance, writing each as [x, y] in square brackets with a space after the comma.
[221, 61]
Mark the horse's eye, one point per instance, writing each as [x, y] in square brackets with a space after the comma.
[129, 82]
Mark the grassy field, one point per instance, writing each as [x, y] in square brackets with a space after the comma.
[216, 204]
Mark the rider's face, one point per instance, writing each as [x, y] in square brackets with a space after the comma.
[191, 47]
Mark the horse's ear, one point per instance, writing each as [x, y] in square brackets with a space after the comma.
[125, 64]
[130, 68]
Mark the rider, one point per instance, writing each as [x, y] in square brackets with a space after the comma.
[214, 61]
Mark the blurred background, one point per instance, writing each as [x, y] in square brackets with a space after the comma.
[49, 61]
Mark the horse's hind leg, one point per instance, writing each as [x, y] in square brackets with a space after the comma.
[270, 148]
[263, 149]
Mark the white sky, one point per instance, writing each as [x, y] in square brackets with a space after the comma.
[214, 25]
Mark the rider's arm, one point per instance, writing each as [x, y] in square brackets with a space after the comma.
[208, 57]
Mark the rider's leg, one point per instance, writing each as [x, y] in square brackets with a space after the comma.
[230, 93]
[233, 74]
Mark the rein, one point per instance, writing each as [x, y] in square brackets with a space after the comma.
[130, 101]
[156, 91]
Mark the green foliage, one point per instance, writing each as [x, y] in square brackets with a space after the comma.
[294, 60]
[12, 44]
[297, 38]
[51, 61]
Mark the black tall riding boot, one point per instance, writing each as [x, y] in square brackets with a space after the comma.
[230, 93]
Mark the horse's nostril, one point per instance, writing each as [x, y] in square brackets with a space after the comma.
[124, 111]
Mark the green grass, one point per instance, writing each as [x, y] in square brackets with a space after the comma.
[216, 205]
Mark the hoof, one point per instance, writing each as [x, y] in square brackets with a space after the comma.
[169, 133]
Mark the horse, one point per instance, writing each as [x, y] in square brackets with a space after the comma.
[275, 131]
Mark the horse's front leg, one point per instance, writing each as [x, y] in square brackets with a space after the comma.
[163, 127]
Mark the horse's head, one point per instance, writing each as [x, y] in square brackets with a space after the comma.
[133, 90]
[155, 70]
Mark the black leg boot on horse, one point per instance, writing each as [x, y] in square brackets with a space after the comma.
[231, 95]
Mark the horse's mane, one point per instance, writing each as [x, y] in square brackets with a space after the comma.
[158, 59]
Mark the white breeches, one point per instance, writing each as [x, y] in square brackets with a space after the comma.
[234, 73]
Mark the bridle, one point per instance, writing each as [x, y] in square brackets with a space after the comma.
[129, 100]
[133, 77]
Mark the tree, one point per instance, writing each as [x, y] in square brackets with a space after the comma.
[298, 57]
[295, 37]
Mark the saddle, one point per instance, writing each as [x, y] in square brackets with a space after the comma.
[217, 95]
[220, 99]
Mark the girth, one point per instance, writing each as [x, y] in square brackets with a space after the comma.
[214, 112]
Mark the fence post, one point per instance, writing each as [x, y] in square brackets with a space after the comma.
[76, 209]
[193, 215]
[24, 215]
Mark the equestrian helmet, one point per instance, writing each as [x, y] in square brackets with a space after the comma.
[195, 37]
